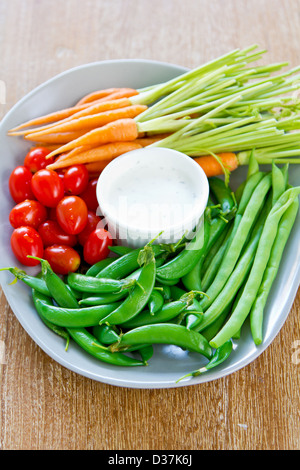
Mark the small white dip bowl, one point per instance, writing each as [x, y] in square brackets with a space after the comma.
[152, 193]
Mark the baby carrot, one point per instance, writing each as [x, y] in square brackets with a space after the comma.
[148, 140]
[57, 137]
[96, 95]
[104, 152]
[122, 130]
[96, 120]
[49, 118]
[212, 167]
[93, 108]
[122, 93]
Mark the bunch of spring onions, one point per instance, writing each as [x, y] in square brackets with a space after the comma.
[216, 113]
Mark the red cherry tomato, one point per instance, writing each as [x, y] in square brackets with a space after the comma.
[92, 222]
[52, 234]
[62, 259]
[20, 184]
[29, 213]
[96, 247]
[52, 214]
[89, 195]
[47, 187]
[72, 214]
[35, 159]
[26, 241]
[76, 179]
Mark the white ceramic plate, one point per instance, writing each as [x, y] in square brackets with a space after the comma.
[168, 363]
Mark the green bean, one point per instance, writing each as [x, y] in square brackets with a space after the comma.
[231, 257]
[92, 346]
[266, 241]
[56, 286]
[253, 168]
[220, 355]
[164, 333]
[84, 283]
[237, 277]
[72, 317]
[209, 273]
[285, 226]
[210, 331]
[278, 182]
[140, 295]
[34, 282]
[214, 248]
[37, 298]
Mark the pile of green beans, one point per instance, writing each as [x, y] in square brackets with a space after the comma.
[195, 295]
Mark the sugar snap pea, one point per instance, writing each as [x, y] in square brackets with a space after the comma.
[56, 286]
[185, 260]
[140, 295]
[164, 333]
[105, 334]
[92, 346]
[126, 264]
[220, 355]
[192, 280]
[166, 313]
[37, 298]
[84, 283]
[34, 282]
[76, 317]
[99, 266]
[155, 302]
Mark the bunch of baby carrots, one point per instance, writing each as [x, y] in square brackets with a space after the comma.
[216, 113]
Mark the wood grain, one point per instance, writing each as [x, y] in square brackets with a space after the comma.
[44, 405]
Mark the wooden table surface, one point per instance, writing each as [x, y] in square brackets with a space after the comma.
[44, 405]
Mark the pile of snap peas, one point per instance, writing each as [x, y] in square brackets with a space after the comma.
[195, 294]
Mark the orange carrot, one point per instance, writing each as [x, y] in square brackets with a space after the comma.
[95, 108]
[97, 167]
[122, 130]
[212, 167]
[49, 118]
[96, 95]
[104, 152]
[95, 120]
[148, 140]
[56, 138]
[122, 93]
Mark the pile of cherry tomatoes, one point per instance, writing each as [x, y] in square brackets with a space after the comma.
[55, 215]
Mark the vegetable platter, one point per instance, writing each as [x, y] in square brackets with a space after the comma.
[231, 128]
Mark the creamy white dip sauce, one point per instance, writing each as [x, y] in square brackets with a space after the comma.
[152, 196]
